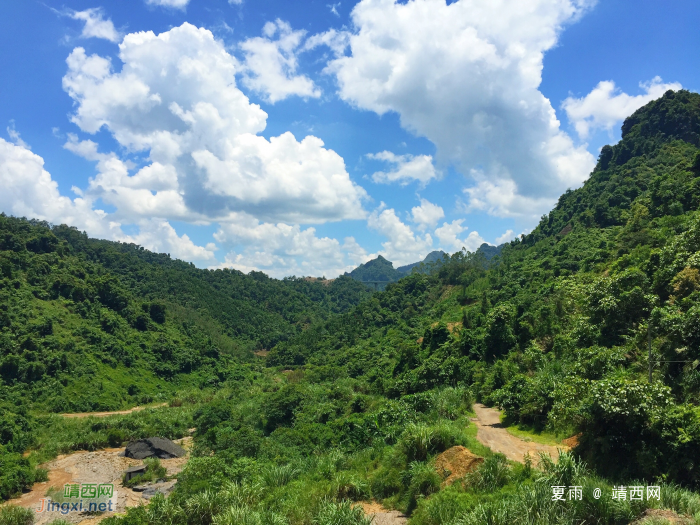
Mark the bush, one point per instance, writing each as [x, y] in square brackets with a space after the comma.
[343, 513]
[419, 440]
[491, 475]
[279, 475]
[16, 474]
[350, 486]
[13, 515]
[154, 471]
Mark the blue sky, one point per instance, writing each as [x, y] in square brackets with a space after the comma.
[303, 138]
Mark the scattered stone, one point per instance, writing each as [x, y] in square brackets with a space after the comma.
[153, 447]
[455, 463]
[132, 472]
[158, 488]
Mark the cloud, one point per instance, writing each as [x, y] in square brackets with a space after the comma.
[175, 98]
[174, 4]
[507, 236]
[15, 137]
[334, 8]
[270, 65]
[448, 232]
[337, 41]
[606, 105]
[282, 249]
[235, 2]
[30, 191]
[407, 168]
[403, 246]
[427, 214]
[500, 197]
[159, 236]
[96, 26]
[466, 76]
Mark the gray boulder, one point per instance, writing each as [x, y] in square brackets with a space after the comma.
[155, 447]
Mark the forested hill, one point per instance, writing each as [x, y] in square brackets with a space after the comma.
[554, 329]
[88, 324]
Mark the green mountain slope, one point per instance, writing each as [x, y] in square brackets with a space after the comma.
[96, 325]
[555, 328]
[356, 407]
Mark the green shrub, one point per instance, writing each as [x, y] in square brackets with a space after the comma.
[279, 475]
[16, 474]
[154, 471]
[419, 440]
[422, 480]
[343, 513]
[491, 475]
[350, 485]
[13, 515]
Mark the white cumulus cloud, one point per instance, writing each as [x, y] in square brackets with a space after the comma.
[448, 235]
[270, 66]
[175, 4]
[282, 249]
[507, 236]
[175, 98]
[607, 106]
[96, 26]
[406, 168]
[466, 76]
[403, 245]
[427, 214]
[29, 191]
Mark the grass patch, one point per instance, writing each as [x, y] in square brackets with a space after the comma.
[530, 434]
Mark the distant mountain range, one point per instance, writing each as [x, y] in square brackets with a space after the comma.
[381, 270]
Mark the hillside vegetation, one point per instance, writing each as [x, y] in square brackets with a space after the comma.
[356, 405]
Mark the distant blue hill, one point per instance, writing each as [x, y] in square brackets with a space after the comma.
[381, 270]
[432, 257]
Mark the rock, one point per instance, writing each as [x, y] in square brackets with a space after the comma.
[158, 488]
[153, 447]
[455, 462]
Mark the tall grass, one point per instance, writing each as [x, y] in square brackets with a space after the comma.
[59, 435]
[491, 475]
[279, 475]
[343, 513]
[13, 515]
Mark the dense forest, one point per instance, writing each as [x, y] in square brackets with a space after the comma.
[360, 391]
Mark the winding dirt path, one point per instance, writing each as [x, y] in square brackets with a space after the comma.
[381, 515]
[115, 413]
[493, 434]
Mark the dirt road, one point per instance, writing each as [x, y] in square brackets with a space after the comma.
[381, 515]
[494, 435]
[115, 413]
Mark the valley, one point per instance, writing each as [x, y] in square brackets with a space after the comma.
[306, 399]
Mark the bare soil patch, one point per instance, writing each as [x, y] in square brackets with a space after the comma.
[456, 462]
[656, 515]
[115, 413]
[381, 515]
[102, 466]
[571, 442]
